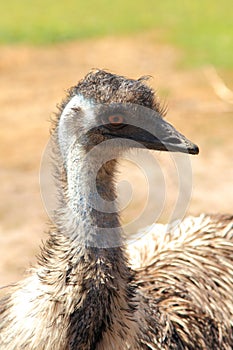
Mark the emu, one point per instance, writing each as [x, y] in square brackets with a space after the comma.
[171, 290]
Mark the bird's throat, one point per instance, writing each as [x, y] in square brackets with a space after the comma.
[91, 201]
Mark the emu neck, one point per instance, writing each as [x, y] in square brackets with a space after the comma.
[91, 259]
[91, 200]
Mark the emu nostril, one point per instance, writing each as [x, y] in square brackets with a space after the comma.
[173, 140]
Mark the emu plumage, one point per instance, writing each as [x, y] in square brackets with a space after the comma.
[170, 290]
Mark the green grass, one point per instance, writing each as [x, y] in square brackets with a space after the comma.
[203, 28]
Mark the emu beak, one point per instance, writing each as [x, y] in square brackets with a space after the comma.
[161, 137]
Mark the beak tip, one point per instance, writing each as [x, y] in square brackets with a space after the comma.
[194, 149]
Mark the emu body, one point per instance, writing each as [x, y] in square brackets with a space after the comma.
[170, 290]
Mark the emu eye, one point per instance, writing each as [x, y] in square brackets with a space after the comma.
[116, 120]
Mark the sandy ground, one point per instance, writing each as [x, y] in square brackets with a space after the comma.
[32, 82]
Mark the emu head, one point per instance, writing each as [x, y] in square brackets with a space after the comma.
[104, 107]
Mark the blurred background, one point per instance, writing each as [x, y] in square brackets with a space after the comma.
[47, 46]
